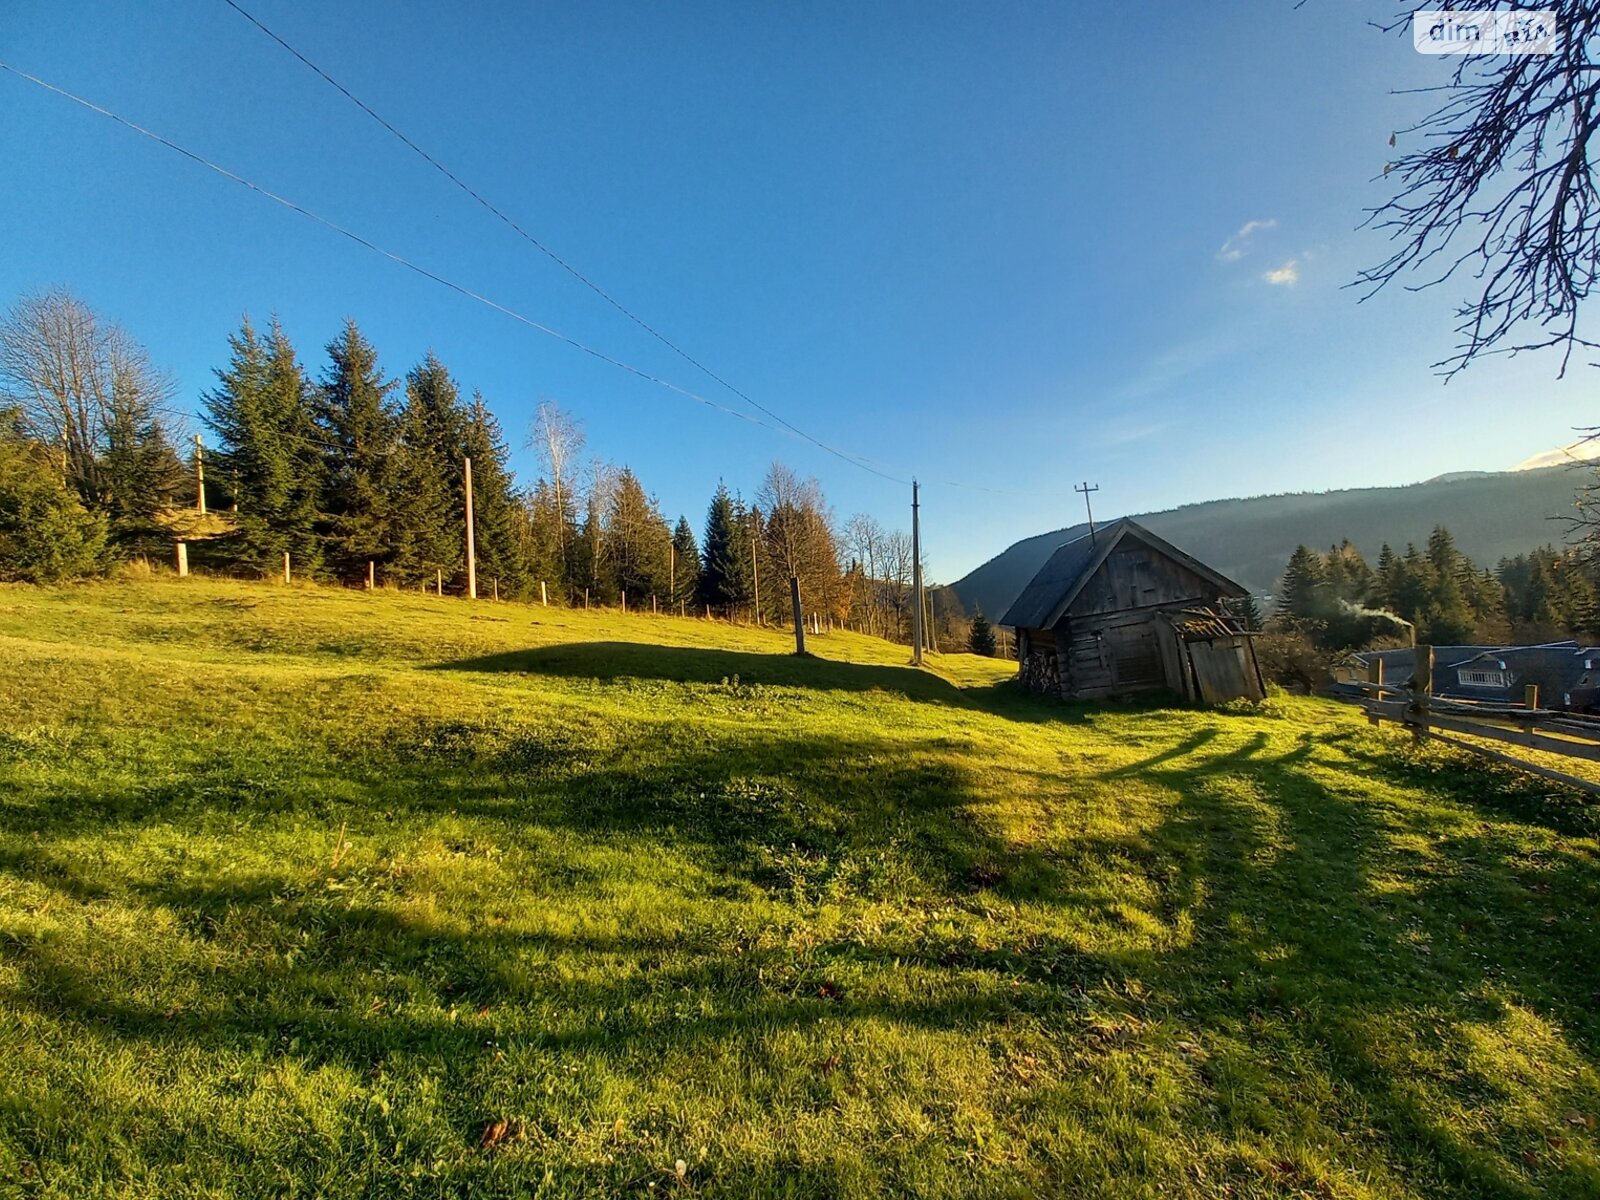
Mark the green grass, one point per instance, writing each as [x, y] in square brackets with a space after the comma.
[303, 892]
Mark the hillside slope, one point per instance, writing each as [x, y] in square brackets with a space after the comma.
[1491, 515]
[329, 894]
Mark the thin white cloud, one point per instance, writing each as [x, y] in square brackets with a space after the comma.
[1236, 247]
[1283, 275]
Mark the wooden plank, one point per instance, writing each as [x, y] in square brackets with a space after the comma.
[1586, 785]
[1517, 737]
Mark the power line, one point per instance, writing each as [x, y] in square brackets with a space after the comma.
[854, 460]
[461, 289]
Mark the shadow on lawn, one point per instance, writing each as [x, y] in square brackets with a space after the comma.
[611, 661]
[1311, 983]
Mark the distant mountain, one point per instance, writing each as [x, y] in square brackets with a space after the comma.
[1492, 515]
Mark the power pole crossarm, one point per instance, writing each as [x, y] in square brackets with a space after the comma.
[1086, 489]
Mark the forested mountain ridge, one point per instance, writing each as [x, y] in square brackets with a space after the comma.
[1493, 516]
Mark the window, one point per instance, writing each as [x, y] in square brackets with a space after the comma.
[1478, 677]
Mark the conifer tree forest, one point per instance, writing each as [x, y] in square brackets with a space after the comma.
[1339, 601]
[348, 463]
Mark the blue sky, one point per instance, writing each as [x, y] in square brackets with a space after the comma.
[1003, 247]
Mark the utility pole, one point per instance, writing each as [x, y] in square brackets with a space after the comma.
[472, 553]
[799, 615]
[755, 570]
[916, 578]
[199, 475]
[1086, 489]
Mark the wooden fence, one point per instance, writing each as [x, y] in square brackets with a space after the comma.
[1549, 731]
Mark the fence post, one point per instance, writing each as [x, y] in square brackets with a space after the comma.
[372, 576]
[1375, 676]
[183, 559]
[496, 582]
[438, 581]
[1422, 688]
[543, 599]
[624, 601]
[286, 566]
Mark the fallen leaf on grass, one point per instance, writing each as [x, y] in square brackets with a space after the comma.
[496, 1133]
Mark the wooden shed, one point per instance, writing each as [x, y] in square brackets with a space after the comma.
[1122, 610]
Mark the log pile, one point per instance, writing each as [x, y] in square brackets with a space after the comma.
[1039, 672]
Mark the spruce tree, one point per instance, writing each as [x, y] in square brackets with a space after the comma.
[358, 427]
[638, 542]
[1248, 610]
[980, 638]
[1298, 593]
[268, 458]
[139, 470]
[429, 537]
[724, 569]
[686, 565]
[499, 548]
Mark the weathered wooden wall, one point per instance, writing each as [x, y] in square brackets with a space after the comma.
[1136, 576]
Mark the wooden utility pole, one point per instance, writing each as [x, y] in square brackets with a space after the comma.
[916, 577]
[1086, 489]
[799, 617]
[199, 475]
[183, 559]
[438, 581]
[472, 553]
[372, 575]
[286, 566]
[672, 569]
[544, 599]
[755, 569]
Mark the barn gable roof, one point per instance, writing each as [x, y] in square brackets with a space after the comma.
[1066, 572]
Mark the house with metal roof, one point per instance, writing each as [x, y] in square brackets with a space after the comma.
[1566, 674]
[1120, 610]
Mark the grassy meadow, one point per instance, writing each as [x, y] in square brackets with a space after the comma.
[318, 893]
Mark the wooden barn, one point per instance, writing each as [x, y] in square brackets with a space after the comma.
[1120, 611]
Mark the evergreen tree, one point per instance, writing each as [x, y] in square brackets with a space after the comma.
[545, 548]
[639, 542]
[499, 549]
[267, 457]
[686, 565]
[139, 469]
[724, 572]
[1298, 593]
[430, 539]
[46, 534]
[1387, 578]
[1248, 610]
[359, 431]
[980, 638]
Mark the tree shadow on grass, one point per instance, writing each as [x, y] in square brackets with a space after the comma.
[1305, 977]
[610, 662]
